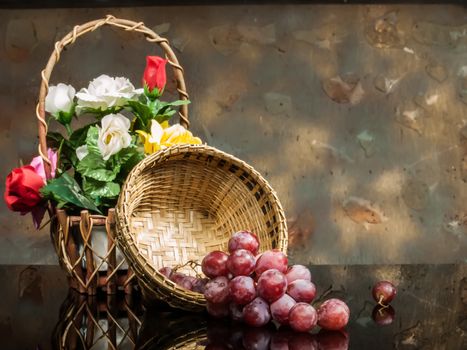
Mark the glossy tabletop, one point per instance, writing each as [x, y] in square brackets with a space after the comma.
[39, 312]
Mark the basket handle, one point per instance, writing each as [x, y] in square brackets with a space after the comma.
[70, 38]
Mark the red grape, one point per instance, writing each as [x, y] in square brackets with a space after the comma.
[217, 310]
[236, 311]
[297, 272]
[199, 285]
[333, 314]
[281, 307]
[166, 271]
[179, 278]
[302, 317]
[217, 290]
[272, 285]
[383, 292]
[241, 263]
[242, 290]
[256, 338]
[215, 264]
[383, 315]
[256, 313]
[271, 259]
[302, 341]
[332, 340]
[244, 240]
[302, 291]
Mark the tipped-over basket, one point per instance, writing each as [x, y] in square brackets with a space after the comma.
[182, 202]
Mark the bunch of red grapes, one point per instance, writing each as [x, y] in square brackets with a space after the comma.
[256, 289]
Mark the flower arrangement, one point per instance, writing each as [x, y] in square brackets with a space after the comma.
[90, 163]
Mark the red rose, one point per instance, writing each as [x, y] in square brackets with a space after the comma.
[22, 189]
[154, 74]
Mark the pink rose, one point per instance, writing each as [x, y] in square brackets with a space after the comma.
[38, 164]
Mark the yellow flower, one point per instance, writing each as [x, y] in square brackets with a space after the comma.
[163, 136]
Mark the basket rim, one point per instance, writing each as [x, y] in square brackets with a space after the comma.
[145, 271]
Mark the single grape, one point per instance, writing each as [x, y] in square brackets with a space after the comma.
[217, 290]
[271, 259]
[383, 315]
[166, 271]
[215, 264]
[301, 341]
[199, 285]
[281, 307]
[186, 282]
[332, 340]
[177, 277]
[384, 292]
[302, 317]
[302, 291]
[236, 311]
[217, 310]
[333, 314]
[241, 263]
[244, 240]
[256, 338]
[271, 285]
[242, 290]
[256, 313]
[297, 272]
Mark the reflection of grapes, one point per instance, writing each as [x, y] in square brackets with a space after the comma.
[383, 292]
[257, 313]
[280, 339]
[281, 307]
[333, 314]
[301, 341]
[383, 315]
[236, 311]
[303, 317]
[271, 285]
[244, 240]
[333, 340]
[215, 264]
[256, 338]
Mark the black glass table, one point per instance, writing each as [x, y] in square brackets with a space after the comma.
[430, 312]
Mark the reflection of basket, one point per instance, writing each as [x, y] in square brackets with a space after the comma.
[90, 323]
[89, 267]
[182, 202]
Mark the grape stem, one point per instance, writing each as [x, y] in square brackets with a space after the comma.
[193, 264]
[380, 302]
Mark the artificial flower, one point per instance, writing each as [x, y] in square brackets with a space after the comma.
[163, 136]
[82, 151]
[59, 99]
[22, 189]
[38, 164]
[113, 135]
[105, 92]
[154, 74]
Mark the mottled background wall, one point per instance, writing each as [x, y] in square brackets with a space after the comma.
[355, 114]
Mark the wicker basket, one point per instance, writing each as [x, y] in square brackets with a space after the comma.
[185, 201]
[72, 236]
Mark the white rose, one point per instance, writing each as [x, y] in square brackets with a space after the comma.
[59, 99]
[82, 151]
[104, 92]
[113, 136]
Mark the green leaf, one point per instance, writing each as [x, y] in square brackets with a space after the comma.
[66, 191]
[98, 112]
[98, 189]
[78, 137]
[54, 139]
[143, 114]
[94, 167]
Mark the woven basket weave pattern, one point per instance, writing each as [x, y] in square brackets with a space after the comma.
[185, 201]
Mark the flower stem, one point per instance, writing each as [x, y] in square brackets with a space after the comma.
[68, 129]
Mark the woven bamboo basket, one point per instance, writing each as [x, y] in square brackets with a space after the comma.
[87, 268]
[185, 201]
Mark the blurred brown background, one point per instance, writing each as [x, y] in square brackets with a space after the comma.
[355, 114]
